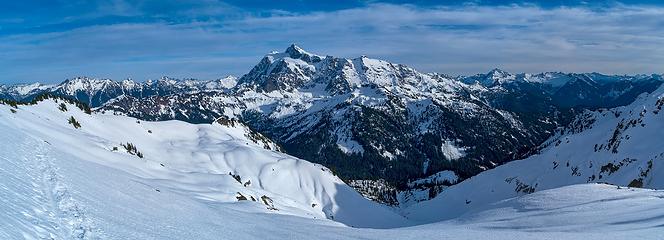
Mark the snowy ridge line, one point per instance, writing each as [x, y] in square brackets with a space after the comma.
[69, 214]
[96, 91]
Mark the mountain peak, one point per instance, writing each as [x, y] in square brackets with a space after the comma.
[226, 82]
[497, 71]
[25, 89]
[294, 49]
[494, 77]
[296, 52]
[85, 81]
[497, 76]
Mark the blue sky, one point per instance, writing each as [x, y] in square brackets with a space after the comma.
[49, 41]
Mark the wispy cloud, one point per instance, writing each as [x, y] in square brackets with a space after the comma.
[457, 40]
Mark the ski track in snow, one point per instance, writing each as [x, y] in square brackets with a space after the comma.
[67, 215]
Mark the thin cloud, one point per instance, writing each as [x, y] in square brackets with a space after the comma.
[455, 40]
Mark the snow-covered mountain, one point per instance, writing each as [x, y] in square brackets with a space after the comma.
[369, 119]
[96, 92]
[21, 91]
[494, 77]
[621, 146]
[377, 124]
[365, 118]
[67, 174]
[591, 90]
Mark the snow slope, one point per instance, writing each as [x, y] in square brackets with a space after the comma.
[59, 182]
[621, 146]
[202, 161]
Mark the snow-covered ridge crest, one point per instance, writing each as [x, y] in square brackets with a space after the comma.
[296, 68]
[18, 90]
[295, 52]
[96, 91]
[494, 77]
[85, 84]
[498, 77]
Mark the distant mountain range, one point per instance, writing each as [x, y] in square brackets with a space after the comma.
[380, 126]
[96, 92]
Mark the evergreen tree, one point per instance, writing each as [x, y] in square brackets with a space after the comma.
[73, 122]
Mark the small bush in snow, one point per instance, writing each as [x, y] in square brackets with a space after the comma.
[131, 149]
[73, 122]
[240, 197]
[236, 177]
[268, 202]
[62, 107]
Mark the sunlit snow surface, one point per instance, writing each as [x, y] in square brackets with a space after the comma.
[617, 146]
[57, 182]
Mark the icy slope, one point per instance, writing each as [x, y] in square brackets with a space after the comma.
[212, 163]
[621, 146]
